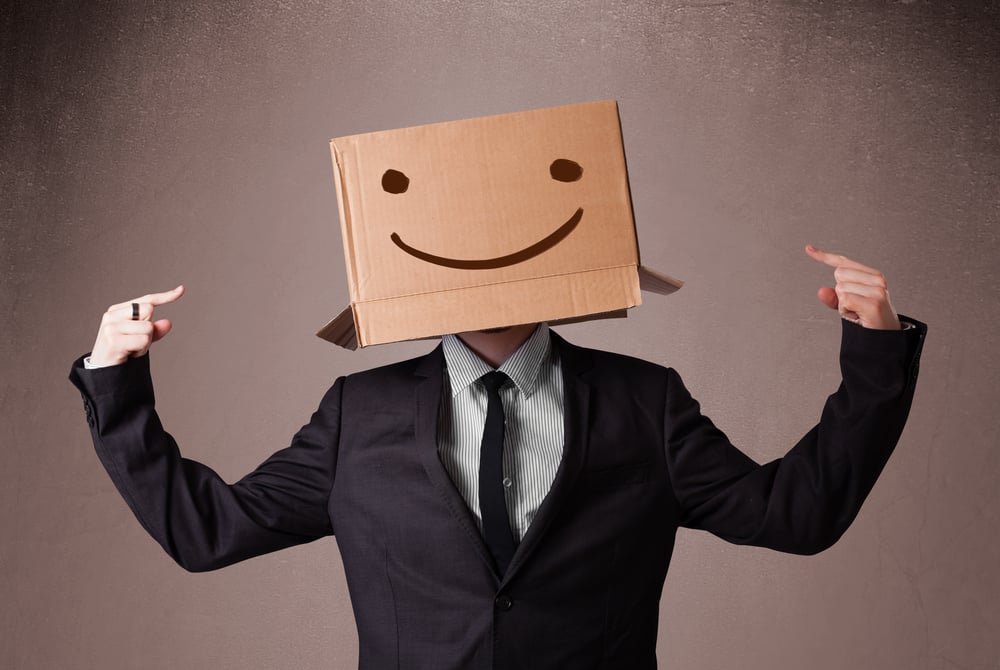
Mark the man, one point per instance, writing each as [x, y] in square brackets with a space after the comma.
[605, 457]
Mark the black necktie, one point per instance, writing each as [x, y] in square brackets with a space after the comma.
[492, 505]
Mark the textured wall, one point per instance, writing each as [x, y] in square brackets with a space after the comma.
[145, 145]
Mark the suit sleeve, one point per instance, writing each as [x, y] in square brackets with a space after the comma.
[801, 503]
[200, 520]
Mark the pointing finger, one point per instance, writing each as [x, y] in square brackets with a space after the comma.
[164, 298]
[149, 300]
[836, 260]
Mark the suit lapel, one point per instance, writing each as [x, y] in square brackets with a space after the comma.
[576, 413]
[427, 399]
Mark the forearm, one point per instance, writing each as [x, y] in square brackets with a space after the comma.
[803, 502]
[201, 521]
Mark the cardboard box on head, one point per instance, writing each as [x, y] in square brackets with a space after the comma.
[487, 222]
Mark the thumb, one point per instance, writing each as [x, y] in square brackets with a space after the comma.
[160, 328]
[828, 297]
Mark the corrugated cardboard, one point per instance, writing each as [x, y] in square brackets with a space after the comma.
[487, 222]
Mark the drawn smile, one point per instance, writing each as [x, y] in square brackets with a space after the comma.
[539, 247]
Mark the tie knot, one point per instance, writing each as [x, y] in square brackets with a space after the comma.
[494, 380]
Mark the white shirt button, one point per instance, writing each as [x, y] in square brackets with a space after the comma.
[506, 482]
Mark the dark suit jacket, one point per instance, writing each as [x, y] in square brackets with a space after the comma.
[583, 589]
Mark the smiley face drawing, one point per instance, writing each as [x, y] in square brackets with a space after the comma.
[561, 169]
[485, 222]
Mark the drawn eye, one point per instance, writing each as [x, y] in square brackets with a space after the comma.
[394, 181]
[563, 169]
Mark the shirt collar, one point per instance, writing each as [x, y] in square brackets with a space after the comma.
[523, 366]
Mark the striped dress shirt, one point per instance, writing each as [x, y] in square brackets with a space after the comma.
[533, 430]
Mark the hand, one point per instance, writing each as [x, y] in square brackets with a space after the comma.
[861, 294]
[120, 336]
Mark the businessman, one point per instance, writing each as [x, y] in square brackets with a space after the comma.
[508, 500]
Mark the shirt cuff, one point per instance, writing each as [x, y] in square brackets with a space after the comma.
[87, 365]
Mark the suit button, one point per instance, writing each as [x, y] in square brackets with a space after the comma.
[504, 603]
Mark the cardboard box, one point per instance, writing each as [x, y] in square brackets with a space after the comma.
[487, 222]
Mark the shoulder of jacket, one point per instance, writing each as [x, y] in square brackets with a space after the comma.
[602, 361]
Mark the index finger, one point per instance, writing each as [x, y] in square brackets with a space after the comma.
[836, 260]
[162, 298]
[156, 299]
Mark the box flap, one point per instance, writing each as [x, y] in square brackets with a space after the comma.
[656, 282]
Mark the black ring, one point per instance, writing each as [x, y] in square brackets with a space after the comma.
[135, 311]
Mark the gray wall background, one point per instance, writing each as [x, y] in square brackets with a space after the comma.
[143, 145]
